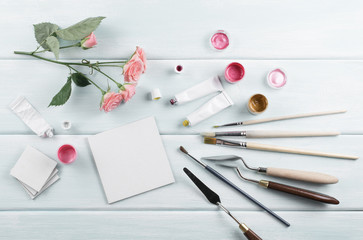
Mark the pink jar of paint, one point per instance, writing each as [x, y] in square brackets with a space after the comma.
[219, 40]
[67, 154]
[276, 78]
[234, 72]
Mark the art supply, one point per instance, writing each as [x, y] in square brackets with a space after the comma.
[67, 154]
[270, 134]
[220, 40]
[307, 176]
[131, 159]
[257, 104]
[273, 148]
[31, 117]
[292, 190]
[35, 171]
[215, 199]
[213, 106]
[276, 78]
[202, 89]
[250, 122]
[66, 125]
[156, 94]
[229, 183]
[178, 68]
[234, 72]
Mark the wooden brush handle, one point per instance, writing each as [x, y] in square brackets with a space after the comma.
[251, 235]
[282, 134]
[306, 176]
[291, 117]
[302, 192]
[273, 148]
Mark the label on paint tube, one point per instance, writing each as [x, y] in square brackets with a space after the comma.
[202, 89]
[31, 117]
[213, 106]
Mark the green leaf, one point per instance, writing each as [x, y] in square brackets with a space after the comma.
[80, 30]
[44, 30]
[53, 45]
[63, 95]
[80, 80]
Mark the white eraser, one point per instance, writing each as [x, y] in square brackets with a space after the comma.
[156, 94]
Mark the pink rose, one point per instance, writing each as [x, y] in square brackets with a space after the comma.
[141, 54]
[110, 101]
[128, 93]
[133, 69]
[89, 41]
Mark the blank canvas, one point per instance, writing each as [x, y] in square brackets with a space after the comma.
[131, 159]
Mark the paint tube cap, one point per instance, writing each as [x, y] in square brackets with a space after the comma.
[156, 94]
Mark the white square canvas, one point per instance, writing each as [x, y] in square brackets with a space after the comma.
[131, 159]
[33, 168]
[32, 191]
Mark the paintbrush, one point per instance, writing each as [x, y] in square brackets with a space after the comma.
[228, 182]
[250, 122]
[270, 134]
[215, 199]
[273, 148]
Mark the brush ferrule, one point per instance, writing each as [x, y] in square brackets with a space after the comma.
[233, 133]
[262, 170]
[231, 143]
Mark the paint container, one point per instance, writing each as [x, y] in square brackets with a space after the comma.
[257, 104]
[178, 68]
[234, 72]
[219, 40]
[66, 125]
[276, 78]
[202, 89]
[213, 106]
[67, 154]
[156, 94]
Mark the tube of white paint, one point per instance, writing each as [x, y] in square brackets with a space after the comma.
[202, 89]
[31, 117]
[213, 106]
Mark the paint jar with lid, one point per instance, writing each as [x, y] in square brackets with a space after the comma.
[219, 40]
[257, 104]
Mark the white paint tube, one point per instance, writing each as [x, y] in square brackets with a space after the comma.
[31, 117]
[202, 89]
[213, 106]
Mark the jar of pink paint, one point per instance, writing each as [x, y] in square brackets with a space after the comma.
[67, 154]
[234, 72]
[276, 78]
[219, 40]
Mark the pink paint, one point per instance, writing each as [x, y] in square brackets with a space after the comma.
[67, 154]
[179, 68]
[276, 78]
[220, 40]
[234, 72]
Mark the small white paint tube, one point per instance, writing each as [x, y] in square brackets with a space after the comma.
[202, 89]
[31, 117]
[213, 106]
[156, 94]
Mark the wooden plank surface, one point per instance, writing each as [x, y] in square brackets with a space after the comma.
[80, 188]
[181, 30]
[176, 225]
[312, 86]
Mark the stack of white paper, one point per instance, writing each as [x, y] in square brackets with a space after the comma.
[35, 171]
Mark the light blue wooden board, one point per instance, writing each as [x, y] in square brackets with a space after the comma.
[312, 86]
[176, 225]
[181, 30]
[80, 187]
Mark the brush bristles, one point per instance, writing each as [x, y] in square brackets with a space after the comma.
[208, 140]
[208, 134]
[215, 126]
[183, 150]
